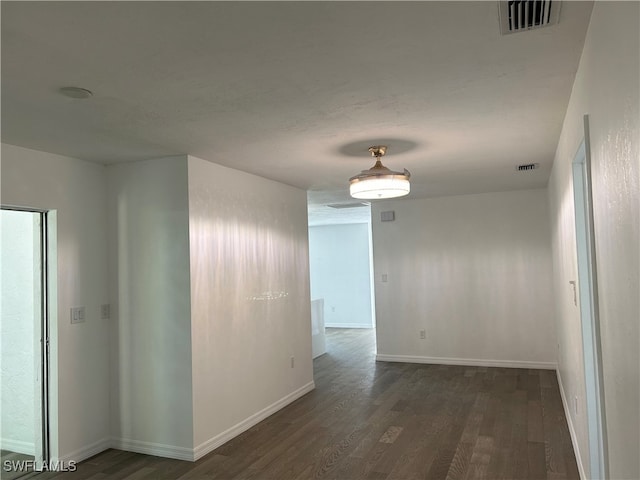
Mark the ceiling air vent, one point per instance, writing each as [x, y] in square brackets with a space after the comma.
[348, 205]
[527, 166]
[522, 15]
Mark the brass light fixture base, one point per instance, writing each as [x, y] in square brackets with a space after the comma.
[378, 150]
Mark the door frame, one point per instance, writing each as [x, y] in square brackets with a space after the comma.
[589, 311]
[42, 337]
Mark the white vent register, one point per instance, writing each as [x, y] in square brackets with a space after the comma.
[523, 15]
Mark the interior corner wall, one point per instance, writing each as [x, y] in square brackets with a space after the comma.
[606, 87]
[151, 390]
[80, 352]
[250, 300]
[473, 271]
[339, 258]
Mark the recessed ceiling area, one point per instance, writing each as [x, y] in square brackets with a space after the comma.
[289, 90]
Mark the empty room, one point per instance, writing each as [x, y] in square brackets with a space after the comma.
[341, 240]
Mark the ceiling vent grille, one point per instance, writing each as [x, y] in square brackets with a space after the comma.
[523, 15]
[348, 205]
[527, 166]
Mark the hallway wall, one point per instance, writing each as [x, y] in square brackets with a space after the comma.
[607, 88]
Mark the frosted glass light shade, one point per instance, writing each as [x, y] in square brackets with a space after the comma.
[379, 187]
[379, 182]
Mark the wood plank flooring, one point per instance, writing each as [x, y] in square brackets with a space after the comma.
[9, 460]
[376, 420]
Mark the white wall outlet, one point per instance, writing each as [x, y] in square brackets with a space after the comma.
[293, 362]
[423, 334]
[105, 311]
[384, 277]
[77, 315]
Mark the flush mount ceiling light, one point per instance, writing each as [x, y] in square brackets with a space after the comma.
[379, 182]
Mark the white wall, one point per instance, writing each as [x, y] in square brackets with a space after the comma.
[257, 288]
[17, 333]
[250, 299]
[607, 88]
[474, 271]
[80, 352]
[150, 294]
[339, 258]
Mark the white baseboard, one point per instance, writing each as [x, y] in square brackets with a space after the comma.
[572, 430]
[214, 442]
[86, 452]
[150, 448]
[347, 325]
[183, 453]
[18, 446]
[470, 362]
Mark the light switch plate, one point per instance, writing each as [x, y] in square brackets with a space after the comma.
[77, 315]
[388, 216]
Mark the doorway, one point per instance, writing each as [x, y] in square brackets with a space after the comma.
[341, 270]
[24, 353]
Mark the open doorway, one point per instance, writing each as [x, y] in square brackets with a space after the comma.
[341, 271]
[24, 341]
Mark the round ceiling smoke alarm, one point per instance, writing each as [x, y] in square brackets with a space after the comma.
[75, 92]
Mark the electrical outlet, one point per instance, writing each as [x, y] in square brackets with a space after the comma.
[293, 362]
[105, 311]
[423, 334]
[384, 277]
[77, 315]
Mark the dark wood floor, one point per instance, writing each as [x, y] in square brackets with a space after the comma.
[8, 462]
[375, 420]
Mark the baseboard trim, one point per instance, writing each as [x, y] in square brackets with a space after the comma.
[572, 430]
[85, 452]
[470, 362]
[18, 446]
[214, 442]
[346, 325]
[150, 448]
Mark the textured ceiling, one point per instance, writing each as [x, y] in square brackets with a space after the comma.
[295, 91]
